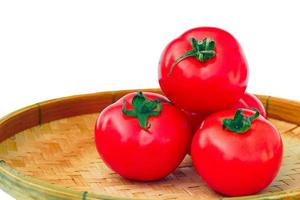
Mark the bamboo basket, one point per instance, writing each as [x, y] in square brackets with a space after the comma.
[47, 152]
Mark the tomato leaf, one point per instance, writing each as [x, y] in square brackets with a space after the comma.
[239, 124]
[142, 109]
[137, 100]
[202, 50]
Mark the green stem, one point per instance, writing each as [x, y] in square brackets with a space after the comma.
[239, 124]
[142, 109]
[202, 50]
[182, 57]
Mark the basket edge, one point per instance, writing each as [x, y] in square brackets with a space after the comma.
[31, 188]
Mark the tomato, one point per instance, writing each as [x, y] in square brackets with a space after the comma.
[250, 101]
[142, 136]
[237, 153]
[203, 70]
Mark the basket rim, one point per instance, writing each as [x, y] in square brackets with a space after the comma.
[10, 177]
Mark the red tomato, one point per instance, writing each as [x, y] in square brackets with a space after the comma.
[203, 70]
[142, 138]
[239, 156]
[250, 101]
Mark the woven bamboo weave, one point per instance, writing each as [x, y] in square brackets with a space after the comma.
[61, 153]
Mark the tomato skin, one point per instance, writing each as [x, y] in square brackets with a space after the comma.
[204, 86]
[236, 164]
[250, 101]
[137, 153]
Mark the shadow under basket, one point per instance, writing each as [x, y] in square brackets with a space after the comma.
[47, 151]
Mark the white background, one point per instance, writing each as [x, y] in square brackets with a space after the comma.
[56, 48]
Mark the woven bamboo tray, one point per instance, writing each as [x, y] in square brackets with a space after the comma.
[47, 152]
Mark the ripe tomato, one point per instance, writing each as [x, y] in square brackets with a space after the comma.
[142, 136]
[203, 70]
[250, 101]
[238, 156]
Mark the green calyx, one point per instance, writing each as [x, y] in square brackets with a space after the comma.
[142, 109]
[202, 50]
[239, 124]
